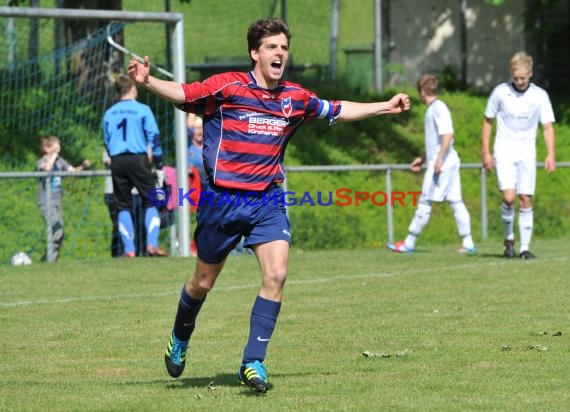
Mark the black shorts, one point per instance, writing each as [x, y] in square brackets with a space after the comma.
[128, 171]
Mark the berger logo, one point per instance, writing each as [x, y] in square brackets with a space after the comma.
[286, 106]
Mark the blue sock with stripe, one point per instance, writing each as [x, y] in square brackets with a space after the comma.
[152, 224]
[188, 309]
[262, 322]
[126, 230]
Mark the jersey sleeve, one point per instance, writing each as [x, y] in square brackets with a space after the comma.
[202, 97]
[152, 133]
[324, 109]
[546, 112]
[63, 164]
[442, 118]
[196, 96]
[493, 105]
[41, 164]
[153, 136]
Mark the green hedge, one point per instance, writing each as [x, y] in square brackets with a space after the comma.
[387, 139]
[398, 139]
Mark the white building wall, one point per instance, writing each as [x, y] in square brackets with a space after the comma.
[426, 35]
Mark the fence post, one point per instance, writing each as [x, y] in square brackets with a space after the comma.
[483, 204]
[174, 243]
[49, 219]
[389, 211]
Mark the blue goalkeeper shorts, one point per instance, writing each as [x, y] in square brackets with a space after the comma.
[225, 215]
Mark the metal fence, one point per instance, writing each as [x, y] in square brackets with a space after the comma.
[22, 226]
[88, 227]
[389, 168]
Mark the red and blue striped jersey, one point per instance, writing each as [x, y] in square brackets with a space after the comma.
[247, 128]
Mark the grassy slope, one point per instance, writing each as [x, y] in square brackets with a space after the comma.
[397, 139]
[385, 140]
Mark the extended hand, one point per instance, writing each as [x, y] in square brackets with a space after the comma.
[399, 103]
[139, 71]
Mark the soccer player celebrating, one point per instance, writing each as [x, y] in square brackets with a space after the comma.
[249, 119]
[518, 106]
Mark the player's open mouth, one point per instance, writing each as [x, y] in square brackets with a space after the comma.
[276, 64]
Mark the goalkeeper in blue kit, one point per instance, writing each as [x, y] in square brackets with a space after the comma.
[132, 140]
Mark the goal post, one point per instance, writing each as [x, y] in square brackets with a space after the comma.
[175, 21]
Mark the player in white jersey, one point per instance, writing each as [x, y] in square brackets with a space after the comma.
[518, 106]
[442, 181]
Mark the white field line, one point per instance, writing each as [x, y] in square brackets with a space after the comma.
[290, 282]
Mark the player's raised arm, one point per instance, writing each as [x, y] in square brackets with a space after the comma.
[352, 111]
[169, 90]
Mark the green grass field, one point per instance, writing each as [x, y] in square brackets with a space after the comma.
[450, 333]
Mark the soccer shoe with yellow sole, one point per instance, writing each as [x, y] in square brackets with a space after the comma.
[399, 247]
[175, 356]
[254, 375]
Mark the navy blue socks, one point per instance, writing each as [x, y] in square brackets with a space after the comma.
[188, 309]
[262, 322]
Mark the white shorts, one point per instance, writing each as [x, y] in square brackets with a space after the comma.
[445, 186]
[518, 174]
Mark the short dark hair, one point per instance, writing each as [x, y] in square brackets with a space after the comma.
[123, 84]
[428, 83]
[48, 141]
[263, 28]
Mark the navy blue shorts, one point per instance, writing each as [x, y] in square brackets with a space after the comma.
[225, 215]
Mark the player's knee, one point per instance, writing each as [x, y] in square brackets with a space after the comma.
[423, 211]
[275, 277]
[508, 199]
[459, 208]
[200, 285]
[525, 201]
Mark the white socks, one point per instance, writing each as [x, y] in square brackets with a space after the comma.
[508, 217]
[420, 220]
[526, 219]
[525, 227]
[463, 222]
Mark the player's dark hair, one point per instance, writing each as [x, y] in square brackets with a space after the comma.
[123, 84]
[428, 83]
[263, 28]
